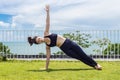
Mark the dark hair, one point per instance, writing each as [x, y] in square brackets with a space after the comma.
[32, 40]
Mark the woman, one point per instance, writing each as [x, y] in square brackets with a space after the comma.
[69, 47]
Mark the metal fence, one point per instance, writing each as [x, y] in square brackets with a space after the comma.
[103, 44]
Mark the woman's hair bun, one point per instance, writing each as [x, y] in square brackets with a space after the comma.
[30, 40]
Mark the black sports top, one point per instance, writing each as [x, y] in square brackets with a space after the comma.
[53, 39]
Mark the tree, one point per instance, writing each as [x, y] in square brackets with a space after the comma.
[4, 50]
[112, 49]
[80, 39]
[101, 43]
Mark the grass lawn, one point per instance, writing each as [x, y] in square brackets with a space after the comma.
[58, 70]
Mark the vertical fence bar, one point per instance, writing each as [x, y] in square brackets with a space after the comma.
[96, 39]
[103, 42]
[118, 43]
[106, 47]
[114, 43]
[110, 43]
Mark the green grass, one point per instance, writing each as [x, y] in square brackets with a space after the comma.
[58, 70]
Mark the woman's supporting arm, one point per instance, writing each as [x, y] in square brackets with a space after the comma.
[48, 53]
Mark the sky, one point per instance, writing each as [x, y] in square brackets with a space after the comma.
[64, 14]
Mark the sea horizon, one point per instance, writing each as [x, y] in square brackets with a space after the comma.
[23, 48]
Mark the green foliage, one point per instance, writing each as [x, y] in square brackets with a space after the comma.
[1, 58]
[101, 43]
[81, 39]
[41, 53]
[59, 52]
[112, 49]
[4, 50]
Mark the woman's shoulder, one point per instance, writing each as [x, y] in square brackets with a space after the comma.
[47, 34]
[50, 34]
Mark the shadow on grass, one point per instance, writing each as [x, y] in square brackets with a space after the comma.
[52, 70]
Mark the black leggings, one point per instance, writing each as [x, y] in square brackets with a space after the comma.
[71, 49]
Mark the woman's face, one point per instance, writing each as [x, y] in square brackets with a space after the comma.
[39, 40]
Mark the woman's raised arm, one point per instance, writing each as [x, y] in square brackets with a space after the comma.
[46, 32]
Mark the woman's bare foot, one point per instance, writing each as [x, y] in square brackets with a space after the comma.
[98, 67]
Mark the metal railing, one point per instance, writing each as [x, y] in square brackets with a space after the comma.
[104, 44]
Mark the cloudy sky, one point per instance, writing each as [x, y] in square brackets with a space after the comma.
[64, 14]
